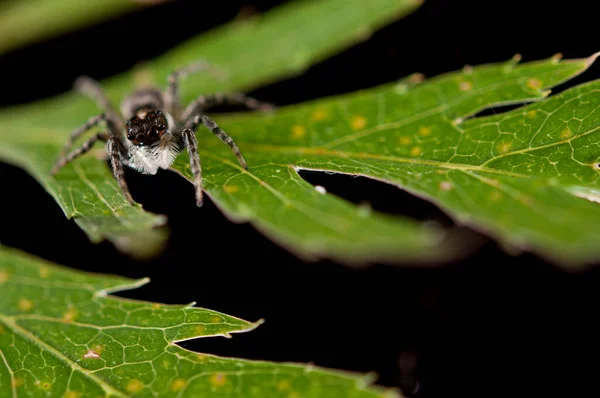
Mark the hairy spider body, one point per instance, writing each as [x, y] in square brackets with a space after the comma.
[153, 128]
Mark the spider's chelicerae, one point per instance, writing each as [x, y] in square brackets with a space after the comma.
[153, 128]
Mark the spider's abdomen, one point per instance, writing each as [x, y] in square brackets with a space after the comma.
[143, 98]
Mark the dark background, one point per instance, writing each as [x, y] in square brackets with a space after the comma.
[491, 324]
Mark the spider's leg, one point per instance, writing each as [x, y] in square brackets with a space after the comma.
[84, 148]
[204, 102]
[189, 140]
[92, 89]
[172, 100]
[117, 156]
[212, 126]
[93, 121]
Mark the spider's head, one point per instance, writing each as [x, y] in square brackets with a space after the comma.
[146, 127]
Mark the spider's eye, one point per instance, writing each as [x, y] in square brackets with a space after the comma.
[162, 127]
[153, 134]
[140, 137]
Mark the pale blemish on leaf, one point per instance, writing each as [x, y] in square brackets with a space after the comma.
[566, 133]
[70, 315]
[298, 131]
[465, 86]
[495, 196]
[25, 305]
[3, 277]
[73, 394]
[216, 319]
[134, 386]
[445, 185]
[405, 140]
[416, 151]
[91, 354]
[178, 384]
[358, 122]
[319, 114]
[424, 131]
[218, 380]
[534, 84]
[320, 189]
[283, 385]
[44, 272]
[199, 330]
[504, 147]
[231, 188]
[531, 114]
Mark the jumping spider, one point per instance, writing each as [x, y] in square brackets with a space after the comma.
[156, 128]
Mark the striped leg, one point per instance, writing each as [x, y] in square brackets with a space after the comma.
[204, 102]
[189, 139]
[92, 89]
[212, 126]
[84, 148]
[93, 121]
[117, 154]
[172, 100]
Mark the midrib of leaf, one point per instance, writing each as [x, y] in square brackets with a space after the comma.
[26, 334]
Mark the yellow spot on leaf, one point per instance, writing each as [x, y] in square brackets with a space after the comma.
[44, 272]
[566, 133]
[293, 394]
[405, 140]
[495, 196]
[178, 384]
[2, 329]
[416, 151]
[202, 357]
[218, 379]
[18, 382]
[319, 114]
[3, 277]
[134, 386]
[199, 330]
[25, 305]
[216, 319]
[231, 188]
[46, 385]
[465, 86]
[358, 122]
[504, 147]
[283, 385]
[445, 185]
[69, 315]
[531, 114]
[424, 131]
[156, 306]
[534, 84]
[72, 394]
[298, 131]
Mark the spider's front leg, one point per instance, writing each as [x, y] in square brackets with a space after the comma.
[92, 89]
[196, 120]
[118, 156]
[204, 102]
[84, 148]
[189, 140]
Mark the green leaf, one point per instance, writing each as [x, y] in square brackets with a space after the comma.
[247, 53]
[529, 177]
[26, 21]
[63, 335]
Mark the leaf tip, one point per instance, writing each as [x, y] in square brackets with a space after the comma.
[591, 59]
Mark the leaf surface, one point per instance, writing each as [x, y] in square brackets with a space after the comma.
[246, 53]
[26, 21]
[528, 177]
[63, 335]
